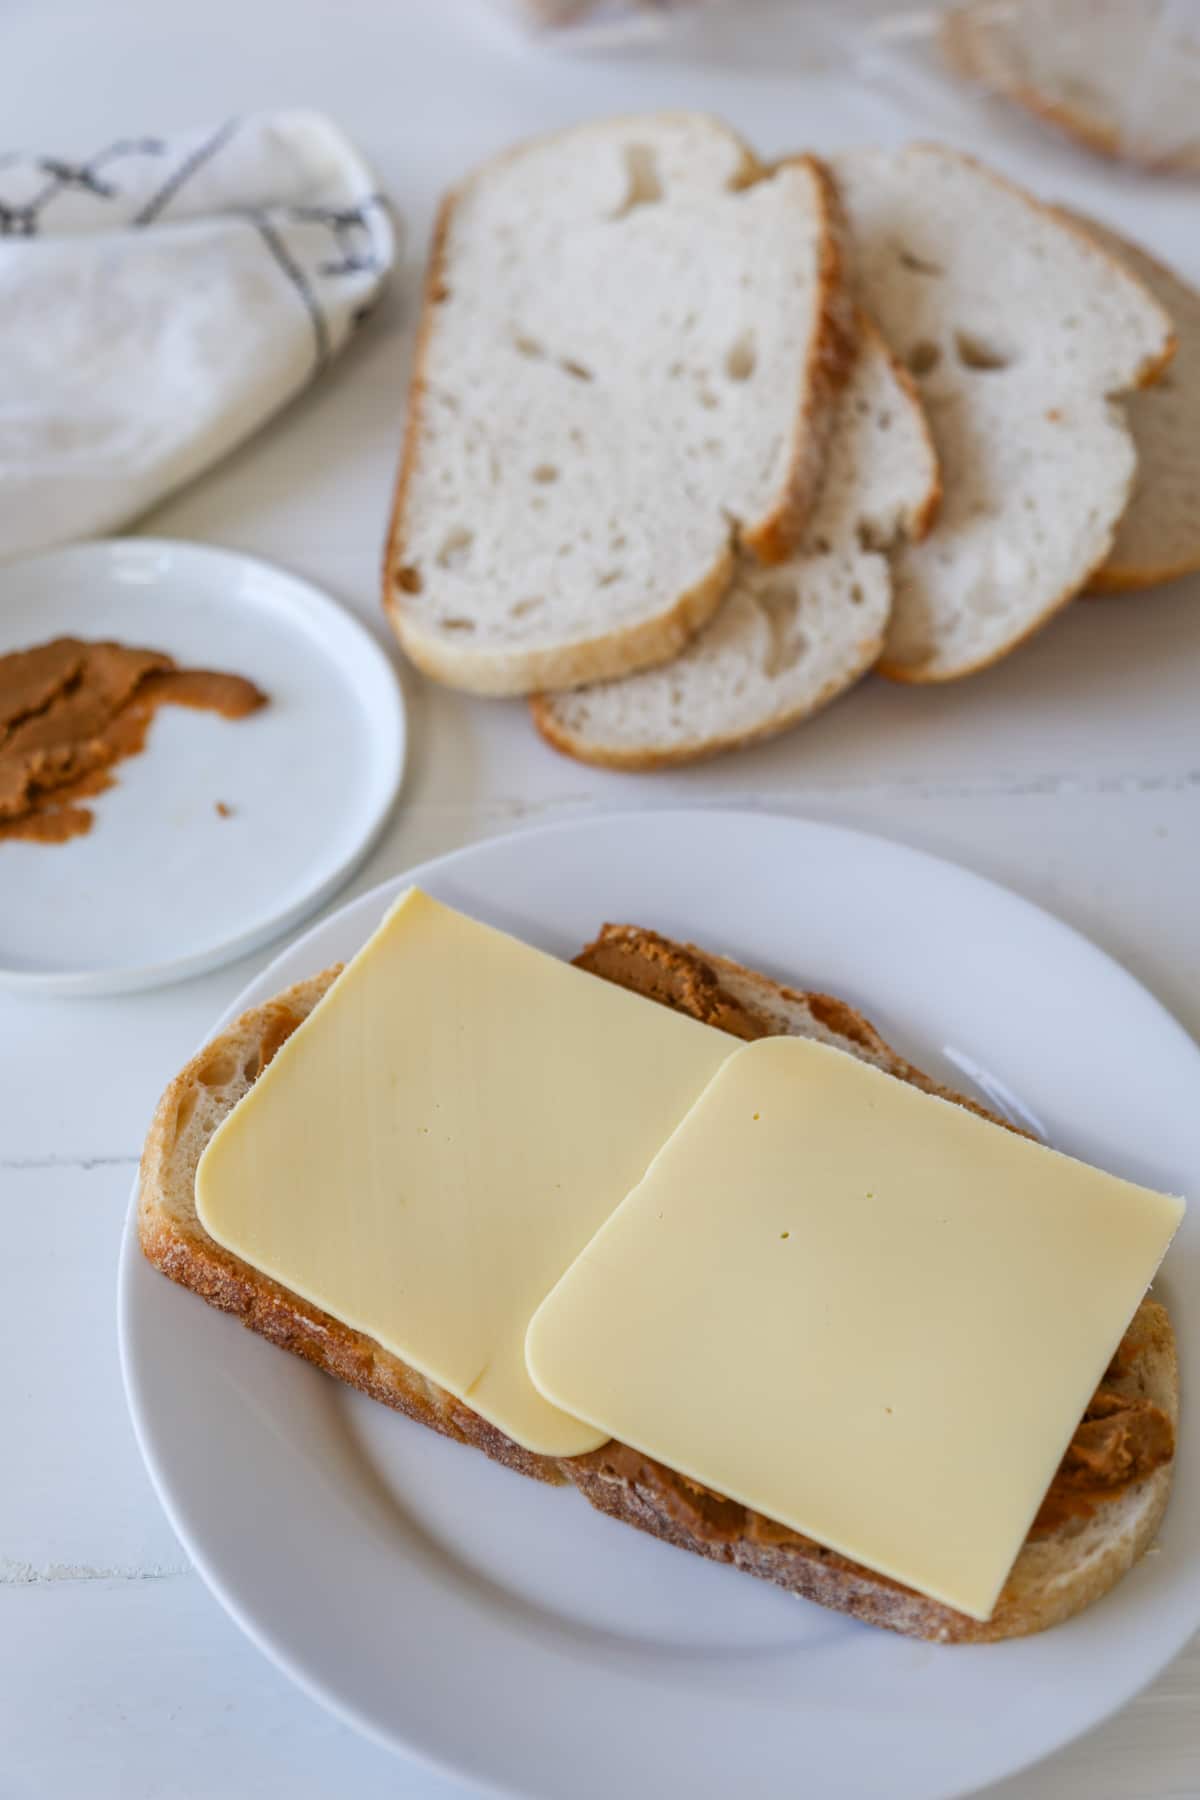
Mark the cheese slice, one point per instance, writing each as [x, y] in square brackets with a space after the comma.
[861, 1311]
[438, 1141]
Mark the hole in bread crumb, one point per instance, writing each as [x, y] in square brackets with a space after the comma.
[883, 420]
[920, 265]
[643, 185]
[619, 542]
[856, 595]
[456, 546]
[923, 357]
[976, 353]
[708, 399]
[523, 608]
[410, 579]
[456, 624]
[741, 359]
[579, 370]
[608, 577]
[545, 473]
[529, 347]
[217, 1070]
[786, 643]
[575, 436]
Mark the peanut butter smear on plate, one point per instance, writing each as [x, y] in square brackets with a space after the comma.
[71, 709]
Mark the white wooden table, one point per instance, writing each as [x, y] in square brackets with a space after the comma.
[1071, 772]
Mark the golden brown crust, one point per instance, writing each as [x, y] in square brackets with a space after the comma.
[1129, 580]
[1046, 1585]
[433, 292]
[646, 762]
[830, 360]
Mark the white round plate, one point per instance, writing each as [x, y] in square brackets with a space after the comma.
[164, 885]
[504, 1631]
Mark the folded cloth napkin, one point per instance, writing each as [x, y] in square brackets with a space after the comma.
[162, 298]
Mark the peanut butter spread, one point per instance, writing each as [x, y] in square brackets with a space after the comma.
[70, 709]
[1122, 1437]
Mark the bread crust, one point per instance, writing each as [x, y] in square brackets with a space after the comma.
[830, 359]
[1053, 1577]
[695, 750]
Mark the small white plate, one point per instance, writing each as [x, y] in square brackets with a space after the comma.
[504, 1631]
[164, 885]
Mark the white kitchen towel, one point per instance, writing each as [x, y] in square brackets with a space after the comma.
[162, 298]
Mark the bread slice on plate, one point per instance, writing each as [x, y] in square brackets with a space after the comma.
[1121, 77]
[628, 363]
[1100, 1513]
[788, 639]
[1158, 538]
[1020, 330]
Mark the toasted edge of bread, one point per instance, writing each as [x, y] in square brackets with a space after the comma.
[1054, 1576]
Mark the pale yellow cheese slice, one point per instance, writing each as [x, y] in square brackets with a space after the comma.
[861, 1311]
[438, 1141]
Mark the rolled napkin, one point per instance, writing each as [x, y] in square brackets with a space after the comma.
[161, 299]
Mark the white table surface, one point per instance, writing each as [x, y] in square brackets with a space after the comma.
[1071, 772]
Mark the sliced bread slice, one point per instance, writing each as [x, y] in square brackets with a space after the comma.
[1080, 1545]
[628, 365]
[786, 640]
[1121, 77]
[1019, 330]
[1158, 538]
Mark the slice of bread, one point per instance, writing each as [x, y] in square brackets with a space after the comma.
[785, 640]
[1158, 538]
[628, 365]
[1078, 1548]
[1115, 75]
[1019, 330]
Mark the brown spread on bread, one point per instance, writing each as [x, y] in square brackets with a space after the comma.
[1120, 1439]
[669, 975]
[71, 708]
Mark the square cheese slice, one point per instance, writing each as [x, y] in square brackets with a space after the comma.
[438, 1141]
[859, 1310]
